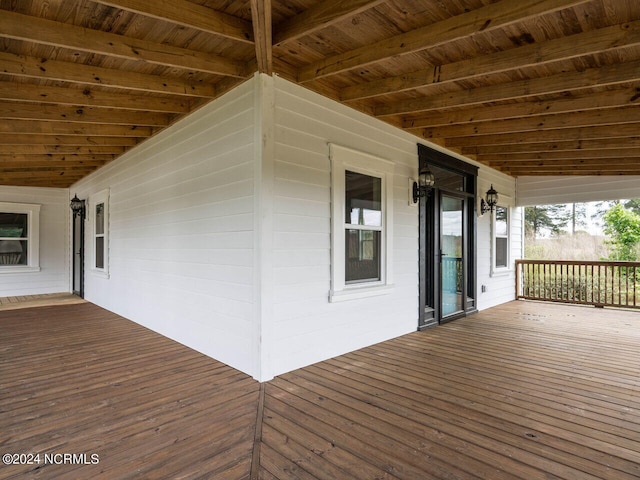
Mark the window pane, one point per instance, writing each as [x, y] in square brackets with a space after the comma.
[501, 221]
[14, 225]
[363, 199]
[99, 218]
[502, 248]
[13, 252]
[362, 255]
[99, 252]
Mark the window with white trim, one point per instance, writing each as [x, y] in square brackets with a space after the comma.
[100, 220]
[500, 238]
[19, 237]
[362, 199]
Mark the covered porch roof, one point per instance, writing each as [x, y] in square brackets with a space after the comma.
[529, 87]
[521, 391]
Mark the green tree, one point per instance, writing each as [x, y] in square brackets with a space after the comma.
[546, 217]
[623, 227]
[578, 216]
[633, 205]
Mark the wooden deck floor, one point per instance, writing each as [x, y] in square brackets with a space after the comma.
[522, 391]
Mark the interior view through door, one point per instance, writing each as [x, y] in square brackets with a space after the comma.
[451, 257]
[447, 240]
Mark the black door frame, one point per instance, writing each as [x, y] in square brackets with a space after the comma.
[430, 291]
[77, 251]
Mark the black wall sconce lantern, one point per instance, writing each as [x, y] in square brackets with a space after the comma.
[423, 186]
[491, 201]
[77, 206]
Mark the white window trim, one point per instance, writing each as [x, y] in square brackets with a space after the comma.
[497, 271]
[98, 198]
[33, 237]
[342, 159]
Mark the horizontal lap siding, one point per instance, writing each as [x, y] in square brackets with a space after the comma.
[181, 231]
[500, 286]
[575, 189]
[54, 274]
[307, 328]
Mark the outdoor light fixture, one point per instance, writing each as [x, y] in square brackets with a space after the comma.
[491, 201]
[423, 186]
[77, 206]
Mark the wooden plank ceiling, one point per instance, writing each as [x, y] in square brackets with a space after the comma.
[530, 87]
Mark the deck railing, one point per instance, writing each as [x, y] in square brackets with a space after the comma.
[603, 284]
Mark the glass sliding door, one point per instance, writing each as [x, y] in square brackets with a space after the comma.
[451, 254]
[447, 240]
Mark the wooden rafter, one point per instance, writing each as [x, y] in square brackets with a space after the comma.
[482, 20]
[621, 132]
[617, 74]
[318, 17]
[537, 54]
[262, 32]
[188, 14]
[612, 118]
[32, 67]
[576, 103]
[39, 30]
[32, 111]
[91, 97]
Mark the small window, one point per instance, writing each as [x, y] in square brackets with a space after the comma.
[363, 224]
[361, 248]
[19, 237]
[100, 220]
[501, 238]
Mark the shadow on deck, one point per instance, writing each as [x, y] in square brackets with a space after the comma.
[521, 391]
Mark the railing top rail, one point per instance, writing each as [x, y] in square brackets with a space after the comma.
[578, 262]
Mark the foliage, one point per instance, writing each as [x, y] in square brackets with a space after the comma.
[580, 246]
[577, 216]
[623, 227]
[546, 217]
[633, 205]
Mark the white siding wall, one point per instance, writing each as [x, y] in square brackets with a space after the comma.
[500, 286]
[307, 328]
[572, 189]
[54, 274]
[181, 231]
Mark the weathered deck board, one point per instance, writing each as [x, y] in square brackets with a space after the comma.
[522, 391]
[79, 379]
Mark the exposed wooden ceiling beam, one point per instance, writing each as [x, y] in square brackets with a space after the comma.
[68, 128]
[33, 111]
[92, 97]
[38, 171]
[67, 160]
[565, 48]
[320, 16]
[262, 33]
[31, 67]
[485, 19]
[189, 14]
[621, 132]
[564, 155]
[26, 151]
[619, 162]
[66, 143]
[554, 84]
[563, 145]
[575, 103]
[538, 123]
[546, 171]
[64, 35]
